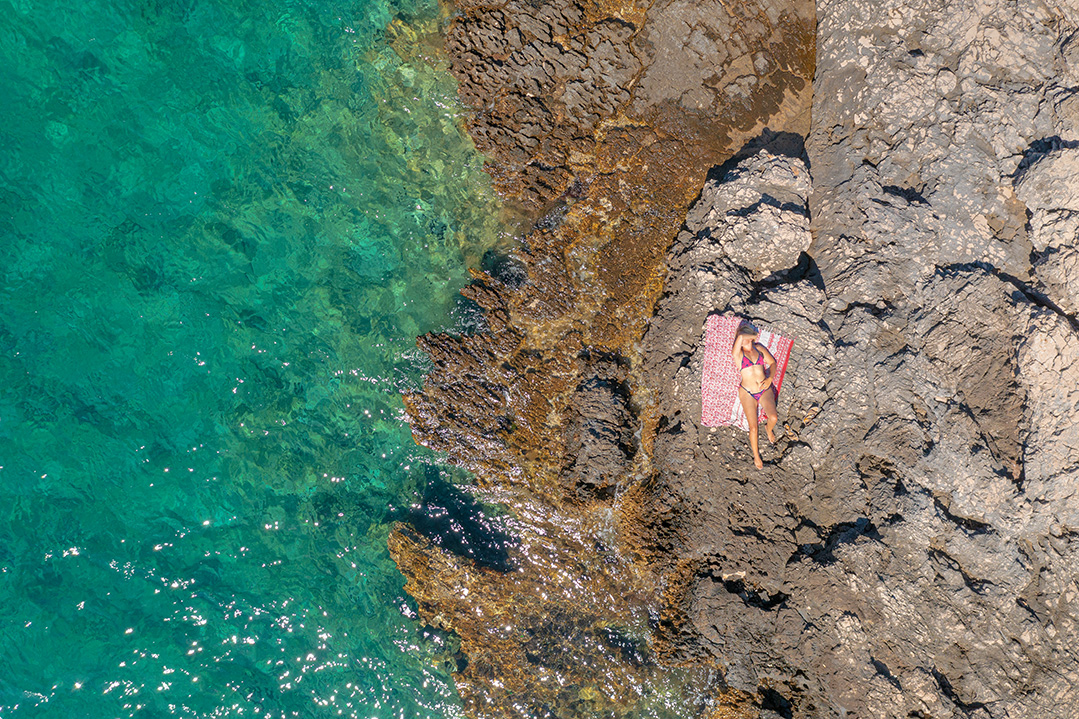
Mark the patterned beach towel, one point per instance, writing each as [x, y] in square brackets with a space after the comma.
[719, 383]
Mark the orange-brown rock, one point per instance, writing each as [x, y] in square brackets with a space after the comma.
[602, 120]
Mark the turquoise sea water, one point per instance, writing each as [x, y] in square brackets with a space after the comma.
[222, 225]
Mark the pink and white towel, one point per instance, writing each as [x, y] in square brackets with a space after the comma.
[719, 384]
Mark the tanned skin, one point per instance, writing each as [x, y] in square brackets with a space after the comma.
[756, 378]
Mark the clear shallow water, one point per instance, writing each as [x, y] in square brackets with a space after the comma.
[221, 227]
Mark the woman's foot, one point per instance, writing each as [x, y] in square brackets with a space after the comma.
[757, 461]
[772, 436]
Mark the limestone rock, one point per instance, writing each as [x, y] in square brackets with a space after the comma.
[1048, 184]
[910, 547]
[601, 435]
[760, 218]
[569, 100]
[569, 88]
[1049, 187]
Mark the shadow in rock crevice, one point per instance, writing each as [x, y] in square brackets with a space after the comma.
[1025, 290]
[786, 144]
[1039, 149]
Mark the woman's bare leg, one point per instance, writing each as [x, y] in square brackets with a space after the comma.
[768, 404]
[749, 406]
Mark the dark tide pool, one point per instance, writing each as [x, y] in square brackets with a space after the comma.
[222, 225]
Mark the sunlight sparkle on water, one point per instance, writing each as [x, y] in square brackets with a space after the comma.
[213, 255]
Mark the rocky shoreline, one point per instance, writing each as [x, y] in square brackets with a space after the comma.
[910, 548]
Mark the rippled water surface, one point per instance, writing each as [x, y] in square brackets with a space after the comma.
[222, 225]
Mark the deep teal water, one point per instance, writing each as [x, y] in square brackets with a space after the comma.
[222, 225]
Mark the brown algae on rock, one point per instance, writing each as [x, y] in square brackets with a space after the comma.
[603, 123]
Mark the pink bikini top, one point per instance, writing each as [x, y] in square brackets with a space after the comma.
[746, 361]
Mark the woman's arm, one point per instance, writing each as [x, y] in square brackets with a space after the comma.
[736, 352]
